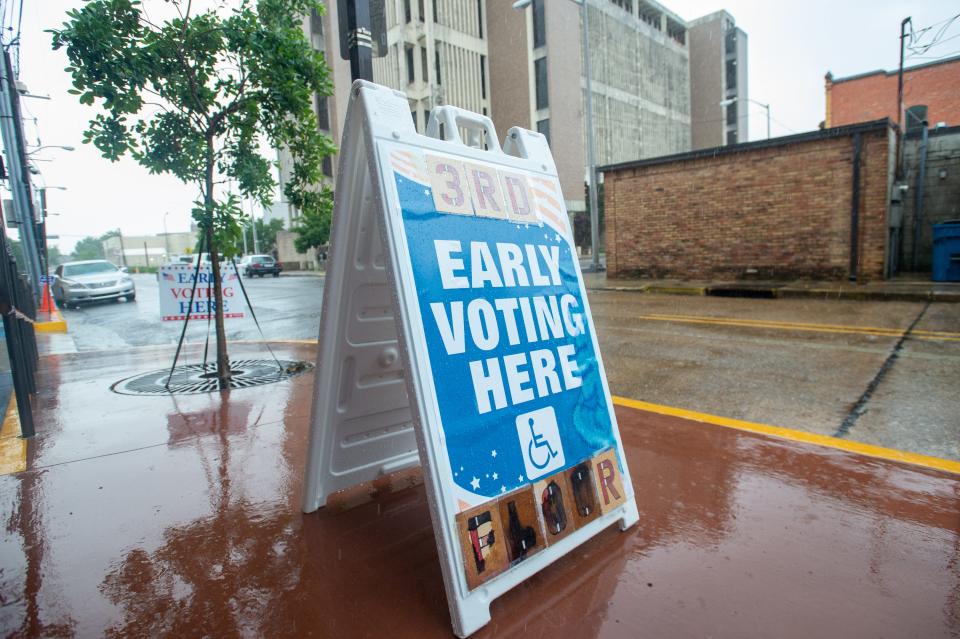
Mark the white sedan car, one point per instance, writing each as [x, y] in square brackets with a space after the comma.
[91, 281]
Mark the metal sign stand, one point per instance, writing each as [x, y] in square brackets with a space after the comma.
[525, 462]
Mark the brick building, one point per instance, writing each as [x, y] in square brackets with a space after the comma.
[873, 95]
[782, 208]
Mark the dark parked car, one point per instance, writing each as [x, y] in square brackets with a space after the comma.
[260, 265]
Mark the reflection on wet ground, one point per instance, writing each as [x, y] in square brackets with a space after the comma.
[148, 516]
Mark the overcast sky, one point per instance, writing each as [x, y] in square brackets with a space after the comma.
[791, 47]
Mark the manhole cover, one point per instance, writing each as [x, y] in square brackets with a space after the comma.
[190, 379]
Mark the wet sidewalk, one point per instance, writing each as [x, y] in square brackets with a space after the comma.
[901, 289]
[179, 516]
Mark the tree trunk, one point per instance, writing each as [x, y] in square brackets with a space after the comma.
[223, 361]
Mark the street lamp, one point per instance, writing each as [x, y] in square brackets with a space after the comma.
[64, 147]
[591, 159]
[729, 101]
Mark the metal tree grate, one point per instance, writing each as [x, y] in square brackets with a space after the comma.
[192, 379]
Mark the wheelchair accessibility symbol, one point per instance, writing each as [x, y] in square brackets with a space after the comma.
[540, 442]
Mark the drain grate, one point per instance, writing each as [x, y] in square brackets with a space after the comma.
[191, 379]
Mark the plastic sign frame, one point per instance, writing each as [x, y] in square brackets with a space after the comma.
[456, 333]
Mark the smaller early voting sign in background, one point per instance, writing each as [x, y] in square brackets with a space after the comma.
[176, 283]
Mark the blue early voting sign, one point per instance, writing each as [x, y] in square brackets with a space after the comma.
[518, 385]
[456, 333]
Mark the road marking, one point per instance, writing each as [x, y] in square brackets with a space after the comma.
[13, 448]
[869, 450]
[799, 326]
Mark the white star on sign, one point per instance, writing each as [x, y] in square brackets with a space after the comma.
[495, 477]
[493, 453]
[503, 489]
[475, 483]
[520, 478]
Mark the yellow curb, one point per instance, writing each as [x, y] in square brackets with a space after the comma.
[13, 448]
[869, 450]
[57, 325]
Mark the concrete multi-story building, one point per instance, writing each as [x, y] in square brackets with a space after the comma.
[436, 53]
[649, 70]
[719, 104]
[640, 80]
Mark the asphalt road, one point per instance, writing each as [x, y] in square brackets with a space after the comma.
[839, 368]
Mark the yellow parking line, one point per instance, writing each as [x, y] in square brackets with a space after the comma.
[869, 450]
[799, 326]
[13, 448]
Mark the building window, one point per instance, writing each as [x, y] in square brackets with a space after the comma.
[731, 75]
[423, 63]
[732, 137]
[540, 77]
[732, 113]
[413, 114]
[480, 17]
[436, 62]
[407, 13]
[327, 166]
[676, 31]
[410, 72]
[650, 15]
[435, 3]
[426, 120]
[422, 16]
[323, 114]
[483, 77]
[626, 5]
[543, 126]
[539, 26]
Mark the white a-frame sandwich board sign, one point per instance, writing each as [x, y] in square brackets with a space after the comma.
[456, 332]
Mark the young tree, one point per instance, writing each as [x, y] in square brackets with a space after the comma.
[194, 94]
[313, 225]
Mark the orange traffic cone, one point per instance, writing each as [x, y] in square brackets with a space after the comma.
[47, 305]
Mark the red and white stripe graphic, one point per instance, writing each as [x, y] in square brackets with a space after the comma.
[550, 207]
[409, 165]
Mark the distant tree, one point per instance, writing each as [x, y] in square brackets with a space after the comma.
[54, 257]
[89, 248]
[266, 236]
[267, 233]
[313, 224]
[194, 95]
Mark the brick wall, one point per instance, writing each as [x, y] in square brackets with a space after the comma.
[874, 96]
[766, 210]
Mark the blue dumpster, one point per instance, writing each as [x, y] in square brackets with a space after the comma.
[946, 251]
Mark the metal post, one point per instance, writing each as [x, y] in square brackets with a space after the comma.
[360, 40]
[767, 106]
[12, 132]
[591, 159]
[256, 240]
[903, 36]
[918, 197]
[855, 211]
[166, 237]
[42, 234]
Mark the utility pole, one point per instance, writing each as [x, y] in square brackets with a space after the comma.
[18, 167]
[903, 37]
[123, 253]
